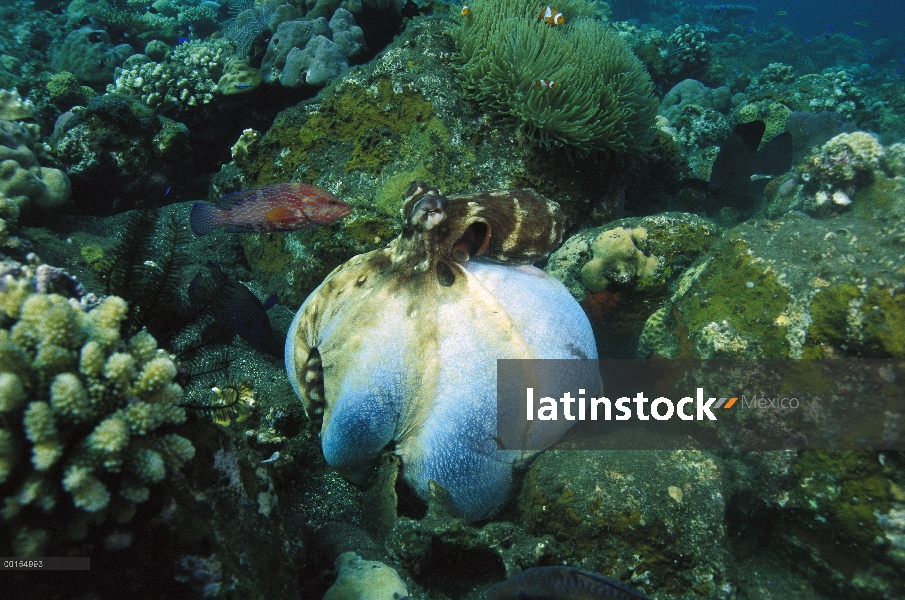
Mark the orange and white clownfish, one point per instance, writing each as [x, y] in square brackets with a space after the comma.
[551, 16]
[466, 12]
[545, 83]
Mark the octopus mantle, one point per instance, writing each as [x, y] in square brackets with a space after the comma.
[400, 345]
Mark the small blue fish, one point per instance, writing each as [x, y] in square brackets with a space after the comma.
[831, 28]
[750, 30]
[182, 40]
[242, 86]
[561, 583]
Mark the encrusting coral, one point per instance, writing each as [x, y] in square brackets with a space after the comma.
[520, 67]
[82, 411]
[617, 259]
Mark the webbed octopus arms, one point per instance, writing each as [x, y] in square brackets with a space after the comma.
[400, 344]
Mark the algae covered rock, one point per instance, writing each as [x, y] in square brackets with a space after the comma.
[653, 519]
[757, 294]
[366, 138]
[359, 579]
[622, 271]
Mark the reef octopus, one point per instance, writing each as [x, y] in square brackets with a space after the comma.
[400, 345]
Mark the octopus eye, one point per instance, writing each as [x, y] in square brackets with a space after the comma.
[428, 212]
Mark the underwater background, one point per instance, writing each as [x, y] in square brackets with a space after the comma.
[706, 181]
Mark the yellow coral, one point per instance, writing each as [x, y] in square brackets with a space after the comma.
[87, 491]
[142, 346]
[91, 361]
[120, 369]
[157, 372]
[47, 318]
[97, 399]
[13, 296]
[68, 397]
[617, 258]
[863, 146]
[104, 321]
[110, 436]
[12, 392]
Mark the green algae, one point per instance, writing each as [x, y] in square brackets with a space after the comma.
[359, 126]
[737, 289]
[869, 323]
[845, 491]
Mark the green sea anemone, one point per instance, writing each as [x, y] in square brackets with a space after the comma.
[602, 101]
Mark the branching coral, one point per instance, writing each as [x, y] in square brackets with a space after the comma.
[602, 98]
[188, 76]
[83, 413]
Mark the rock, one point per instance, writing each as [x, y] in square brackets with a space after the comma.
[359, 579]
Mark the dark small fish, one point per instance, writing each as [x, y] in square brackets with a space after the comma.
[237, 311]
[280, 207]
[741, 171]
[561, 583]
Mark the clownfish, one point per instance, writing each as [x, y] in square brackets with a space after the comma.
[545, 83]
[466, 12]
[551, 16]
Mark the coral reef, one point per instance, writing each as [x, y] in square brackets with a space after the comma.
[778, 307]
[22, 178]
[602, 104]
[687, 52]
[632, 515]
[103, 148]
[828, 181]
[618, 311]
[312, 51]
[84, 412]
[89, 54]
[65, 91]
[9, 214]
[13, 107]
[617, 259]
[690, 91]
[188, 76]
[359, 579]
[238, 78]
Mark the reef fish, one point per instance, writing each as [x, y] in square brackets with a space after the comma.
[561, 583]
[280, 207]
[551, 16]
